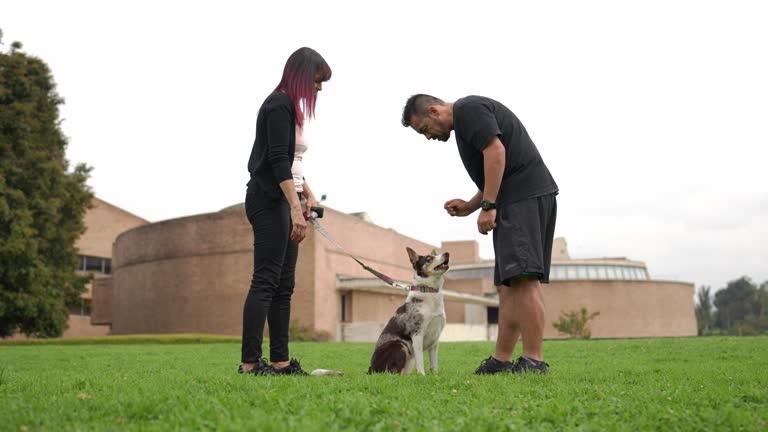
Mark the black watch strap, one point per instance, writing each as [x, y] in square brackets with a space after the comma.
[487, 205]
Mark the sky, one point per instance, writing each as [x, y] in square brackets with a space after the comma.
[650, 115]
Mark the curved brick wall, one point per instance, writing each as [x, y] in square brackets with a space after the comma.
[183, 275]
[638, 308]
[191, 275]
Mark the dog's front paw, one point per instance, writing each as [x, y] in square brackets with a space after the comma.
[433, 370]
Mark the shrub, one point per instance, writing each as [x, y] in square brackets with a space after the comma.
[306, 333]
[575, 324]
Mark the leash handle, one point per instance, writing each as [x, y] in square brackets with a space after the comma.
[316, 212]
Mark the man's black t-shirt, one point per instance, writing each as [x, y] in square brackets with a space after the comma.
[476, 120]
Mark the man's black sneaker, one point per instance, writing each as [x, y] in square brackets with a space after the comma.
[261, 368]
[293, 368]
[492, 366]
[524, 364]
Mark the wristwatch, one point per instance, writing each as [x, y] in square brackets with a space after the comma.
[487, 205]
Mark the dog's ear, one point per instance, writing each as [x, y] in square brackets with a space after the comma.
[434, 252]
[412, 255]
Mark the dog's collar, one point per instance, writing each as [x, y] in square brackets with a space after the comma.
[424, 289]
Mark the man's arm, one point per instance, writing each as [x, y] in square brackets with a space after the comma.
[494, 160]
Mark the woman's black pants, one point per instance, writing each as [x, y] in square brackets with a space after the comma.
[274, 267]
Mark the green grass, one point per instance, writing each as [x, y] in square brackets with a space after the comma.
[180, 338]
[715, 383]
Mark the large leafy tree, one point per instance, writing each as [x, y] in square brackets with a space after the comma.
[42, 203]
[736, 303]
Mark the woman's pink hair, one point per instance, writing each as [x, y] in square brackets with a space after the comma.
[298, 81]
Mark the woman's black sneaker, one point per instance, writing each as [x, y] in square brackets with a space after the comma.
[492, 366]
[293, 368]
[524, 364]
[261, 368]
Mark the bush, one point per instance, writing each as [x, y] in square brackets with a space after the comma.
[744, 329]
[574, 324]
[302, 333]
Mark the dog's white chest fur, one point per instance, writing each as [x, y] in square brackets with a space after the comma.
[432, 310]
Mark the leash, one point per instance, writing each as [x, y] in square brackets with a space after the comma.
[317, 212]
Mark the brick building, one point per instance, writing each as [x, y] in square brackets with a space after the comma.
[191, 275]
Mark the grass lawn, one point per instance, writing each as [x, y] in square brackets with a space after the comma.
[643, 384]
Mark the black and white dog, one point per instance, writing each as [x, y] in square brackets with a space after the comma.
[418, 323]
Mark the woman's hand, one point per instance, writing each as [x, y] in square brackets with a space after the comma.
[299, 224]
[311, 202]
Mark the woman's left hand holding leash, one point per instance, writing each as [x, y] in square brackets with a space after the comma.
[299, 230]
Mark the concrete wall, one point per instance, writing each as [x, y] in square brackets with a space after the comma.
[627, 308]
[101, 303]
[370, 331]
[80, 326]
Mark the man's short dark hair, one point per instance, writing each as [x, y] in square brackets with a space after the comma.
[418, 104]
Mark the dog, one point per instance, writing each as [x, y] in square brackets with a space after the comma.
[418, 323]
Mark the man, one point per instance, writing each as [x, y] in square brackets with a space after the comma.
[516, 195]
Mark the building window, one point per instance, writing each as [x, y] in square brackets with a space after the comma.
[644, 274]
[93, 264]
[558, 272]
[581, 272]
[602, 272]
[567, 272]
[83, 309]
[344, 302]
[493, 315]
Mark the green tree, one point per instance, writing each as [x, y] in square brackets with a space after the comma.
[704, 309]
[42, 204]
[760, 309]
[735, 303]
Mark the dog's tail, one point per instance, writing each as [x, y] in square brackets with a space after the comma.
[390, 357]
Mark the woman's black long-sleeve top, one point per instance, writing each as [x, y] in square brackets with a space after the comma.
[273, 149]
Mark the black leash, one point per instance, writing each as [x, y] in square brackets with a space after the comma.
[317, 212]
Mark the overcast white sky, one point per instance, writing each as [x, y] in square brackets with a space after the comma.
[651, 115]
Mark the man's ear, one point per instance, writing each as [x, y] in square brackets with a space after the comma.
[433, 110]
[412, 255]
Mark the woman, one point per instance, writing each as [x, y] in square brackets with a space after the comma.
[274, 210]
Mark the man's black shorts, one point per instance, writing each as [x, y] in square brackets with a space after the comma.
[522, 239]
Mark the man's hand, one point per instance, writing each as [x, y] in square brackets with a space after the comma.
[486, 221]
[458, 207]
